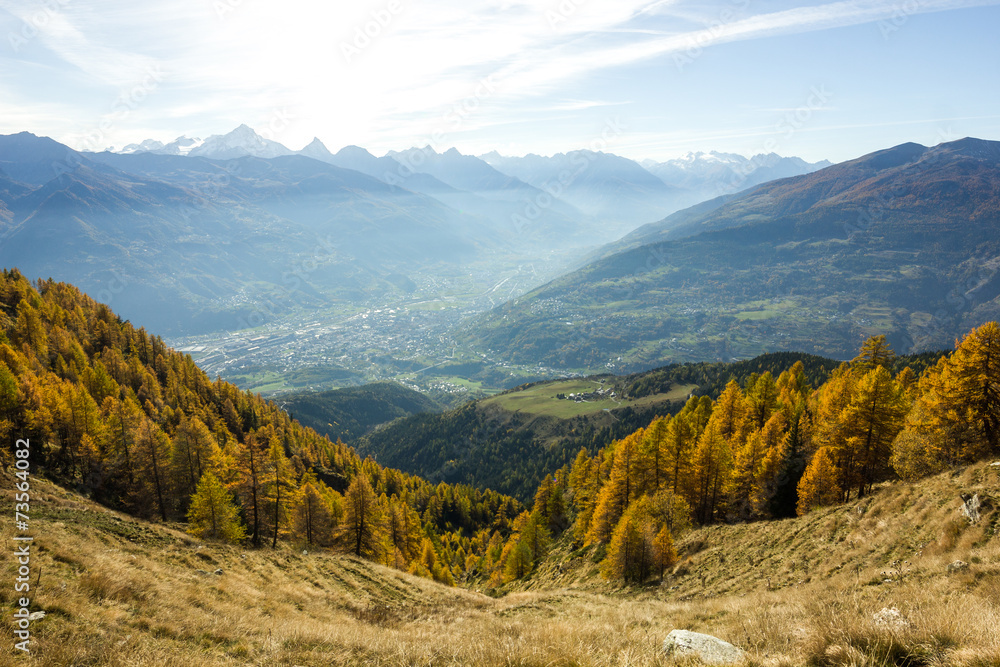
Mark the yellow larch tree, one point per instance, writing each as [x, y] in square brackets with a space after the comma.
[819, 485]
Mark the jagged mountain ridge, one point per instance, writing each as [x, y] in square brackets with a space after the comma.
[188, 234]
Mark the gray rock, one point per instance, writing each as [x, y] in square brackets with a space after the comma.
[712, 650]
[219, 571]
[891, 617]
[958, 566]
[970, 507]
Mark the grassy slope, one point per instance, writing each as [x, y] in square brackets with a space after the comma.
[509, 442]
[119, 591]
[541, 399]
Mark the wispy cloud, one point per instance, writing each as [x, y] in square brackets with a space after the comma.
[413, 69]
[561, 64]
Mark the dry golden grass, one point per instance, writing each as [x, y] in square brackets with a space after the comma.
[119, 591]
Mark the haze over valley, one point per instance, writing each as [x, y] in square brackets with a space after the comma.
[312, 269]
[517, 332]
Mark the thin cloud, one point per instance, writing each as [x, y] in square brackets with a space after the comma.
[527, 76]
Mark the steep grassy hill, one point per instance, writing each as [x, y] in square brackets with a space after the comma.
[120, 591]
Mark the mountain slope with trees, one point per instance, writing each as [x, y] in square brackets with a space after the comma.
[773, 448]
[351, 412]
[492, 443]
[903, 242]
[111, 412]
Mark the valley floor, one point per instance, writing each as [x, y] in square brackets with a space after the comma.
[118, 591]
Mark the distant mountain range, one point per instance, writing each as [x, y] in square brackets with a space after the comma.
[588, 196]
[712, 174]
[194, 235]
[189, 244]
[904, 241]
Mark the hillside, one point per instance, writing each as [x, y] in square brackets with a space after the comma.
[349, 413]
[903, 242]
[113, 413]
[510, 441]
[120, 591]
[90, 401]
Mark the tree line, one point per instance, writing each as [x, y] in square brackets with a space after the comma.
[771, 448]
[115, 414]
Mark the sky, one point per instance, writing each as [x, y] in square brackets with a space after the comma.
[645, 79]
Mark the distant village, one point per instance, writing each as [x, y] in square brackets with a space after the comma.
[601, 393]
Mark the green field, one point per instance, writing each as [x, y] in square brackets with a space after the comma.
[541, 399]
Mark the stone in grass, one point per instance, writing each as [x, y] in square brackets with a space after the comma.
[711, 650]
[958, 566]
[891, 617]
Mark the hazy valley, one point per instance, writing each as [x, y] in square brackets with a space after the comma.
[749, 402]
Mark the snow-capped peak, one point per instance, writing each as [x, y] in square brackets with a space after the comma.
[146, 146]
[179, 146]
[241, 142]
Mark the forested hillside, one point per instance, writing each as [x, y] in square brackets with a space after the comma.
[772, 448]
[112, 413]
[497, 444]
[902, 242]
[349, 413]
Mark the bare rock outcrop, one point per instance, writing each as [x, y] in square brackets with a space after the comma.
[711, 650]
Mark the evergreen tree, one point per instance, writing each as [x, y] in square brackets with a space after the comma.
[194, 452]
[664, 553]
[872, 420]
[819, 485]
[762, 399]
[362, 530]
[313, 515]
[403, 526]
[279, 486]
[518, 563]
[252, 475]
[874, 352]
[618, 491]
[712, 468]
[213, 513]
[630, 554]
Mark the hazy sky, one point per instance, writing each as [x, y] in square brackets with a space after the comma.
[646, 79]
